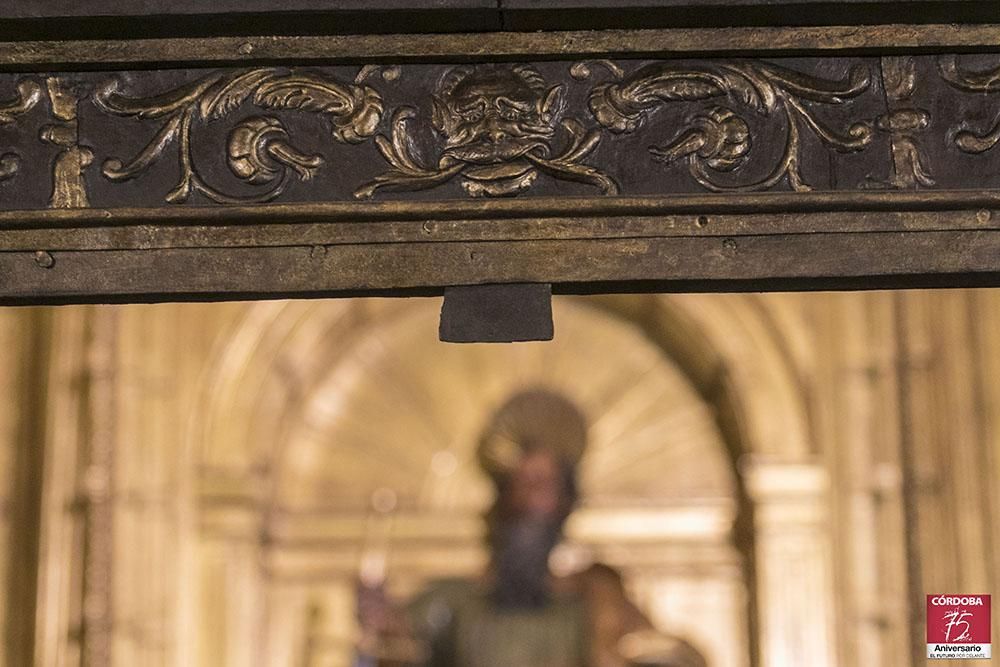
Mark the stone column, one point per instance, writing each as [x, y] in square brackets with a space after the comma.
[23, 337]
[231, 588]
[794, 564]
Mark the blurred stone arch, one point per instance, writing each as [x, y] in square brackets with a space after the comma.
[696, 420]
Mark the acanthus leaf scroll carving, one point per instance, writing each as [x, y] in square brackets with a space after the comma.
[986, 82]
[498, 127]
[719, 140]
[506, 129]
[29, 93]
[259, 149]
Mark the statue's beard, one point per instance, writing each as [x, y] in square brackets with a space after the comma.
[521, 561]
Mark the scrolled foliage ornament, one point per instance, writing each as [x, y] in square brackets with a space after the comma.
[258, 150]
[28, 94]
[720, 140]
[496, 127]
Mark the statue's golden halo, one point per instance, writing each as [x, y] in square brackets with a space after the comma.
[532, 420]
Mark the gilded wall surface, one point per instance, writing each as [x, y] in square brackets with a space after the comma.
[780, 478]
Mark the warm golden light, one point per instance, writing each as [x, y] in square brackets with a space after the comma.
[776, 477]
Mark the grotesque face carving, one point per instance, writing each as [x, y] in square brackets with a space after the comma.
[497, 128]
[498, 120]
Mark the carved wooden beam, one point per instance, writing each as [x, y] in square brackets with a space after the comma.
[751, 158]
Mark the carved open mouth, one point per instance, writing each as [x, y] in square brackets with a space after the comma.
[504, 171]
[485, 152]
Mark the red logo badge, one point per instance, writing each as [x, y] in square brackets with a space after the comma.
[958, 626]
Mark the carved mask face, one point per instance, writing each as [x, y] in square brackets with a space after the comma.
[490, 118]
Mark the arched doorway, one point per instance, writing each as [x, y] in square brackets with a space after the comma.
[698, 450]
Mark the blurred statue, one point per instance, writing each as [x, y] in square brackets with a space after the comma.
[518, 613]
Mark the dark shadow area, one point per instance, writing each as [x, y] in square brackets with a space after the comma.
[51, 20]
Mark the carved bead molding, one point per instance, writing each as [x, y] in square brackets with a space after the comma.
[415, 131]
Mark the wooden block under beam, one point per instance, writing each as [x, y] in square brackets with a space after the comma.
[496, 313]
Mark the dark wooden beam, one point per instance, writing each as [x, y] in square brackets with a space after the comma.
[708, 159]
[247, 50]
[57, 18]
